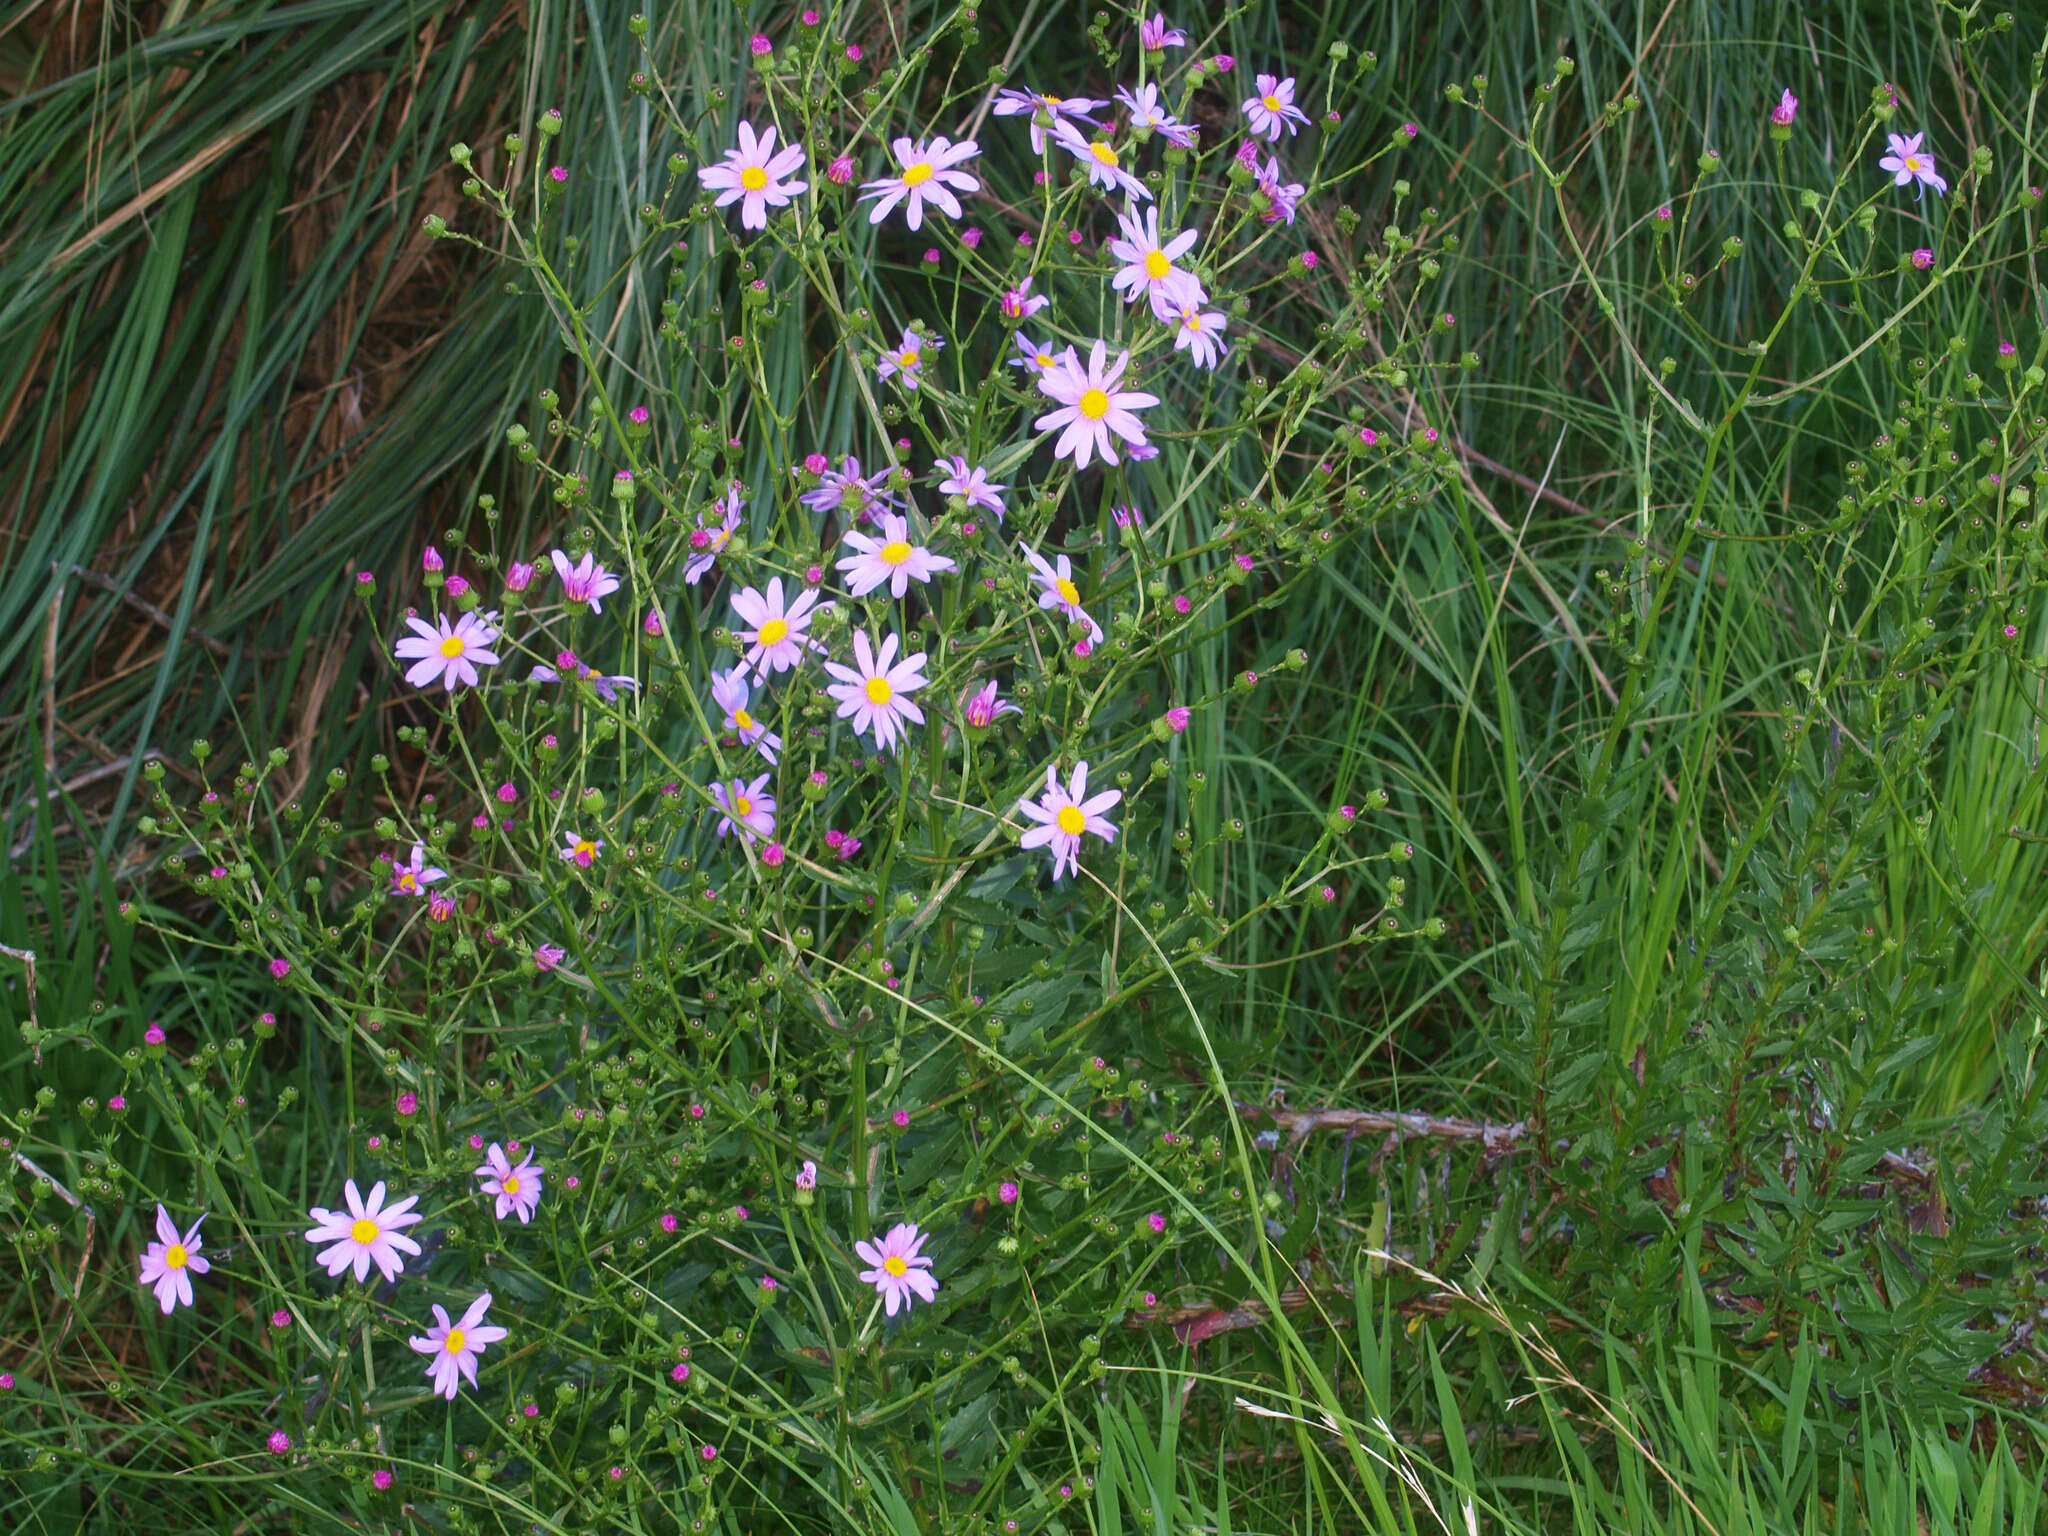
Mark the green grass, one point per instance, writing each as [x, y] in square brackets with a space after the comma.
[1751, 953]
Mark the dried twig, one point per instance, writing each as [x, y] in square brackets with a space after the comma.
[1300, 1123]
[27, 957]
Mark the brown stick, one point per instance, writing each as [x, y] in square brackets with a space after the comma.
[1299, 1123]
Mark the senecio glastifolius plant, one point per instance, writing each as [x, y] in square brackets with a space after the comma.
[711, 1003]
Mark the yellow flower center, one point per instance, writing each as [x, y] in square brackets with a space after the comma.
[1094, 404]
[1103, 154]
[175, 1256]
[363, 1231]
[753, 178]
[1071, 821]
[585, 848]
[1052, 103]
[1193, 322]
[1271, 103]
[455, 1340]
[774, 632]
[879, 691]
[1156, 265]
[453, 646]
[1069, 593]
[742, 806]
[1911, 162]
[743, 720]
[407, 882]
[509, 1184]
[1045, 359]
[917, 175]
[895, 552]
[895, 1266]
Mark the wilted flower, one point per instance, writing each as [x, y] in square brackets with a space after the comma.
[731, 692]
[1019, 303]
[1015, 103]
[984, 707]
[1785, 111]
[970, 482]
[586, 581]
[579, 850]
[707, 544]
[412, 878]
[1155, 35]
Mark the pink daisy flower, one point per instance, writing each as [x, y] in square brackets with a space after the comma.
[755, 176]
[455, 1346]
[1099, 158]
[892, 560]
[1908, 162]
[928, 174]
[169, 1263]
[1273, 108]
[731, 692]
[368, 1232]
[897, 1270]
[1148, 265]
[775, 635]
[1199, 333]
[450, 652]
[1091, 407]
[517, 1187]
[1057, 592]
[1063, 817]
[748, 806]
[875, 694]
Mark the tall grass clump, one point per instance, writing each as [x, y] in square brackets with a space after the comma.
[1167, 778]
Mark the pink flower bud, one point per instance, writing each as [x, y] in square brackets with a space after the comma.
[759, 46]
[1177, 718]
[653, 624]
[430, 560]
[840, 171]
[518, 576]
[772, 855]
